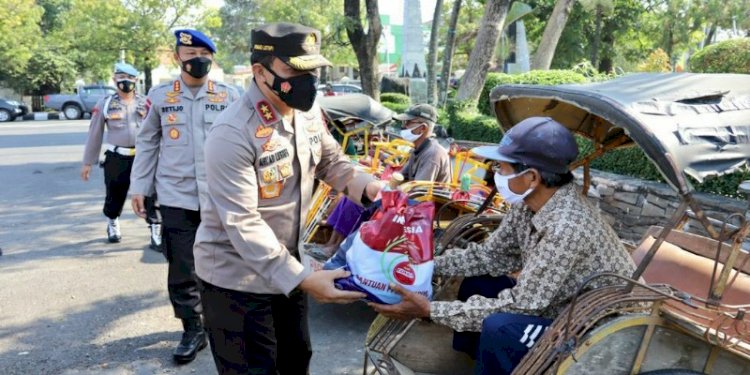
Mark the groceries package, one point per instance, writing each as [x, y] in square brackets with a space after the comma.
[394, 247]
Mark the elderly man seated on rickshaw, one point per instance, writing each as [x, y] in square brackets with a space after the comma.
[552, 237]
[428, 161]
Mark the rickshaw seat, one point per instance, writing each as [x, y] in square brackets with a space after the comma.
[685, 261]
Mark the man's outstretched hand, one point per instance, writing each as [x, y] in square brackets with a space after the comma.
[319, 285]
[412, 305]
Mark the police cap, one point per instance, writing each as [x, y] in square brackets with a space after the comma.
[194, 38]
[296, 45]
[126, 68]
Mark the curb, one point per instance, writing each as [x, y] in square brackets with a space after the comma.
[41, 116]
[44, 116]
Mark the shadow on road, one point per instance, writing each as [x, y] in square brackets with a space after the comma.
[80, 338]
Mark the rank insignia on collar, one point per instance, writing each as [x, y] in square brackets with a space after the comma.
[174, 133]
[176, 86]
[271, 145]
[266, 112]
[211, 87]
[263, 131]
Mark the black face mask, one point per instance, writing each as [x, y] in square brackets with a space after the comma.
[126, 85]
[197, 67]
[297, 92]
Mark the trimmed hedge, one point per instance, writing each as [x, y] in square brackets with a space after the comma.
[392, 97]
[396, 107]
[466, 123]
[534, 77]
[730, 56]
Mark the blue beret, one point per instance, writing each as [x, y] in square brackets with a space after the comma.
[194, 38]
[126, 68]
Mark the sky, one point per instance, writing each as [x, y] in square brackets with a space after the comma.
[392, 8]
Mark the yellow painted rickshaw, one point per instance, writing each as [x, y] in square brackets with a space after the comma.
[684, 310]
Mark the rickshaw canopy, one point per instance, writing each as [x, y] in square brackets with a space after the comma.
[694, 124]
[358, 106]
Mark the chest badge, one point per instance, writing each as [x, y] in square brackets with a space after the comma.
[263, 131]
[270, 176]
[174, 133]
[171, 118]
[271, 145]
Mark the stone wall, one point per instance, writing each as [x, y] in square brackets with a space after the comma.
[632, 205]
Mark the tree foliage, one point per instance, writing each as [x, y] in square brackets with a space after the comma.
[19, 34]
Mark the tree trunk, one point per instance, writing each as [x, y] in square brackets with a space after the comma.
[555, 25]
[597, 36]
[484, 49]
[710, 37]
[450, 47]
[606, 63]
[365, 44]
[147, 78]
[432, 55]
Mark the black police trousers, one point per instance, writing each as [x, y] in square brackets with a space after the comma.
[178, 235]
[257, 333]
[117, 181]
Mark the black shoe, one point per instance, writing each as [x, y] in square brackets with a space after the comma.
[193, 340]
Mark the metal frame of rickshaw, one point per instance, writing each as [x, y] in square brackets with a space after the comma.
[571, 334]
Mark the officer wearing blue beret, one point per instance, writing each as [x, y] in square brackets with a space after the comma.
[121, 114]
[170, 160]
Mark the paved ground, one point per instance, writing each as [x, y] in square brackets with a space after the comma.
[70, 303]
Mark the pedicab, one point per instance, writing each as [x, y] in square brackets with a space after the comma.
[383, 153]
[684, 310]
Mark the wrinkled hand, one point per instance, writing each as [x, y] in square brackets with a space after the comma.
[85, 172]
[139, 207]
[412, 305]
[319, 285]
[373, 189]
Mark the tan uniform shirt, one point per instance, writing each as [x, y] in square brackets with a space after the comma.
[169, 157]
[121, 120]
[260, 172]
[556, 249]
[428, 162]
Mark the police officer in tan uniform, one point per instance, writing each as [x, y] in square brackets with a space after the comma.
[121, 114]
[428, 161]
[170, 160]
[262, 157]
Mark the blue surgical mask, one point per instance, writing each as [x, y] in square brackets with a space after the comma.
[501, 182]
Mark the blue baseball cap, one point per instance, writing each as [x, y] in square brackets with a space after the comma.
[193, 38]
[537, 142]
[126, 68]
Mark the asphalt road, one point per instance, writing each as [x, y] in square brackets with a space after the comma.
[71, 303]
